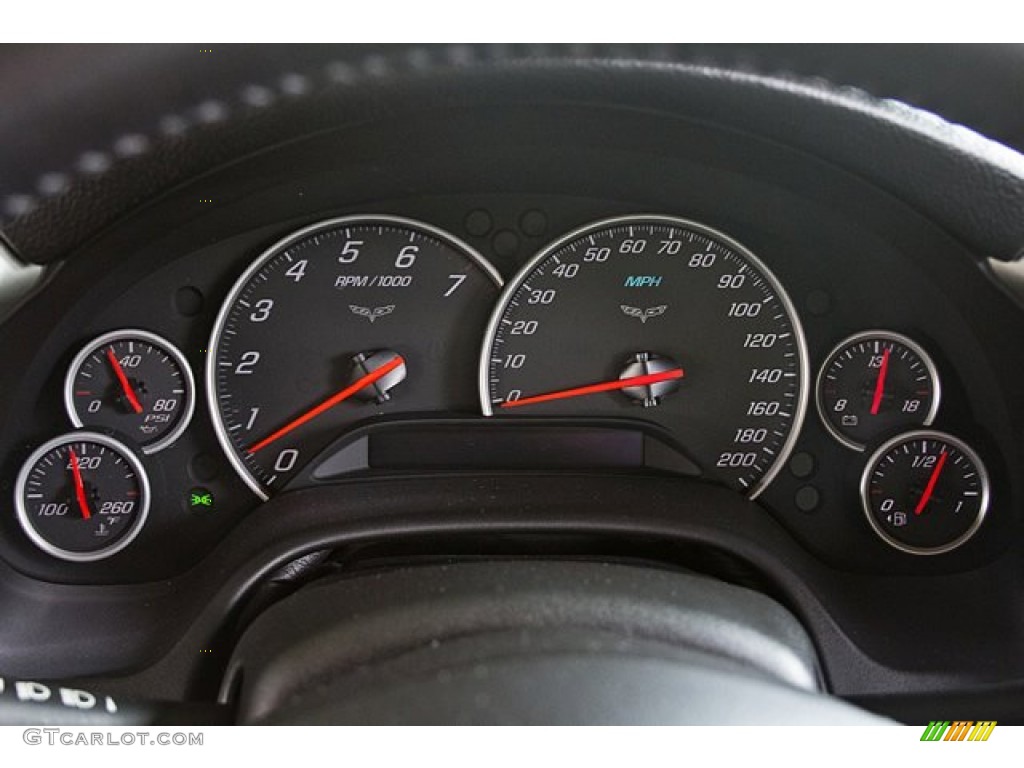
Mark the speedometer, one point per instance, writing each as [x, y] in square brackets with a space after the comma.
[661, 319]
[347, 320]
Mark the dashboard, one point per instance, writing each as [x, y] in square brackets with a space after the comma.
[512, 329]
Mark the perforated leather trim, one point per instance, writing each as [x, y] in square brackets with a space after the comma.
[971, 185]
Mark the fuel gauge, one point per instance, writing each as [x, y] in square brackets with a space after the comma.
[925, 492]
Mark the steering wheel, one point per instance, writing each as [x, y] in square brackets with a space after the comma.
[109, 139]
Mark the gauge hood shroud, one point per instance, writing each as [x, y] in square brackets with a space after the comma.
[971, 186]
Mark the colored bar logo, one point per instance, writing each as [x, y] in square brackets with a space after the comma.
[959, 730]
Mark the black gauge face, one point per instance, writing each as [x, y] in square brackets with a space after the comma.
[875, 384]
[341, 322]
[925, 492]
[82, 497]
[133, 382]
[658, 319]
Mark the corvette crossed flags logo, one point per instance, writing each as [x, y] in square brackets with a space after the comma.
[643, 315]
[371, 314]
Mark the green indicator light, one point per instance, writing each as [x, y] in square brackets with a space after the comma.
[200, 497]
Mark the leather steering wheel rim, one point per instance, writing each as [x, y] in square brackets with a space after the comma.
[96, 139]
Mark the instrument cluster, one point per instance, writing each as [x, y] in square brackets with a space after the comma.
[371, 344]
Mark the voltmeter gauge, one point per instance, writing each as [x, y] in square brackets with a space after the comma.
[875, 384]
[82, 497]
[925, 492]
[133, 382]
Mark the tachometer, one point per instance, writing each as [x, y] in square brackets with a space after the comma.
[661, 319]
[342, 321]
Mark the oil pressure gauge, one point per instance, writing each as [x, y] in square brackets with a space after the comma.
[874, 384]
[134, 382]
[925, 492]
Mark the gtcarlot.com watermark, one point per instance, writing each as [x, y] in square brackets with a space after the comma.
[69, 737]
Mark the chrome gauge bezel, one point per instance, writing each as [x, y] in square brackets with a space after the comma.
[210, 376]
[526, 270]
[925, 434]
[25, 521]
[857, 338]
[152, 338]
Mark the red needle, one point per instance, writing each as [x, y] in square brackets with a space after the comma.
[927, 495]
[880, 384]
[79, 486]
[330, 402]
[604, 386]
[125, 385]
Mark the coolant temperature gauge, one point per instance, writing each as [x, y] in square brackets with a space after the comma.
[925, 492]
[82, 497]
